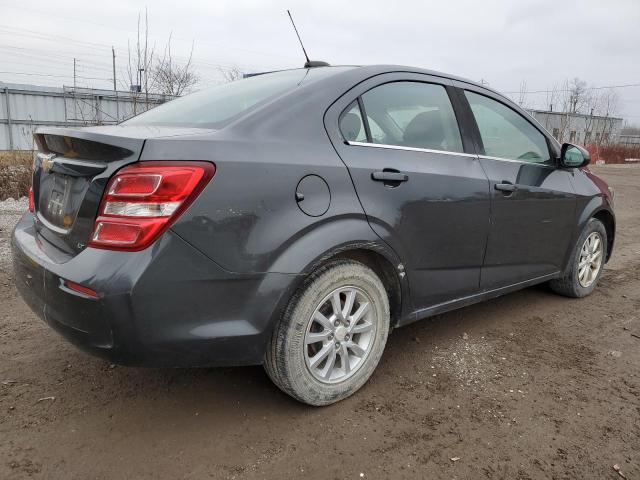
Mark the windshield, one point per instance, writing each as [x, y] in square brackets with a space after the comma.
[216, 106]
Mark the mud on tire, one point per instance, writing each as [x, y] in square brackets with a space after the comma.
[287, 358]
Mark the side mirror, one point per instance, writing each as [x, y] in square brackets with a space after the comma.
[574, 156]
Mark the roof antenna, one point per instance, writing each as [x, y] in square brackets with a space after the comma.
[308, 63]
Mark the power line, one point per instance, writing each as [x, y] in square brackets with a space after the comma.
[42, 53]
[59, 66]
[52, 75]
[39, 35]
[629, 85]
[19, 31]
[215, 44]
[196, 61]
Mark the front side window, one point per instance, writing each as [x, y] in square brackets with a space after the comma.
[412, 114]
[507, 134]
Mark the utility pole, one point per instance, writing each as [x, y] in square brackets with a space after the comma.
[115, 89]
[75, 102]
[113, 58]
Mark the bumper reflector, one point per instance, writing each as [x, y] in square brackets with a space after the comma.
[81, 289]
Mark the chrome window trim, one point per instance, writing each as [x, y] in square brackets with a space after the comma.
[501, 159]
[444, 152]
[410, 149]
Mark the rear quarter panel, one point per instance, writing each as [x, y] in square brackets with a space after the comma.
[247, 218]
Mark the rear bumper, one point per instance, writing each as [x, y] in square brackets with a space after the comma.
[168, 305]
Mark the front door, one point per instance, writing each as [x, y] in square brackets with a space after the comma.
[533, 204]
[423, 192]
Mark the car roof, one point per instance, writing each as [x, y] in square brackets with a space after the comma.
[366, 71]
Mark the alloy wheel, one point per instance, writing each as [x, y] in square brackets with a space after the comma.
[340, 335]
[590, 260]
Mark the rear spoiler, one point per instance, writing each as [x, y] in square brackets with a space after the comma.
[86, 145]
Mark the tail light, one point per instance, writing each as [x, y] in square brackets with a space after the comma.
[32, 203]
[142, 200]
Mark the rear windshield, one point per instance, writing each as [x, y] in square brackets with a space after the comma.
[216, 106]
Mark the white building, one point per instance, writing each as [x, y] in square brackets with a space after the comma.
[579, 128]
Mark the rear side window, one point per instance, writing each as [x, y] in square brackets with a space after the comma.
[505, 133]
[412, 114]
[353, 129]
[351, 124]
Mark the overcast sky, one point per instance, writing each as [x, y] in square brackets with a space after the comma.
[502, 42]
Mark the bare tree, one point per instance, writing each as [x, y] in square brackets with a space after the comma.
[139, 64]
[582, 108]
[570, 98]
[566, 102]
[607, 107]
[578, 96]
[171, 77]
[230, 74]
[552, 98]
[522, 94]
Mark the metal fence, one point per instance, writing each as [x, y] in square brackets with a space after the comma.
[24, 108]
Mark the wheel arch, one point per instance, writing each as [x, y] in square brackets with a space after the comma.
[609, 222]
[374, 254]
[383, 267]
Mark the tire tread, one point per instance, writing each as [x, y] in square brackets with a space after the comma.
[568, 285]
[276, 363]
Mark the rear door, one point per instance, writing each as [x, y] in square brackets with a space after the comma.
[419, 182]
[533, 202]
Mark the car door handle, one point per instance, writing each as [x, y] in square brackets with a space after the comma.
[505, 187]
[389, 176]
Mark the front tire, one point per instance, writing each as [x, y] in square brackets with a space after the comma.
[332, 334]
[586, 264]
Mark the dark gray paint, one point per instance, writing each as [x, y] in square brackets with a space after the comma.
[437, 221]
[313, 195]
[531, 227]
[210, 289]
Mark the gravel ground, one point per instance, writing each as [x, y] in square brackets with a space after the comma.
[10, 212]
[530, 385]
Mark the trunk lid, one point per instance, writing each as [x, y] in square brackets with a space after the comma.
[71, 170]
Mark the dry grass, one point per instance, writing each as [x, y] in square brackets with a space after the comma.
[15, 173]
[614, 153]
[16, 157]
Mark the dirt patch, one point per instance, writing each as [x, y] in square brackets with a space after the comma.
[530, 385]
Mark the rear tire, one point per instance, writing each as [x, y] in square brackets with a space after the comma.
[319, 356]
[586, 264]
